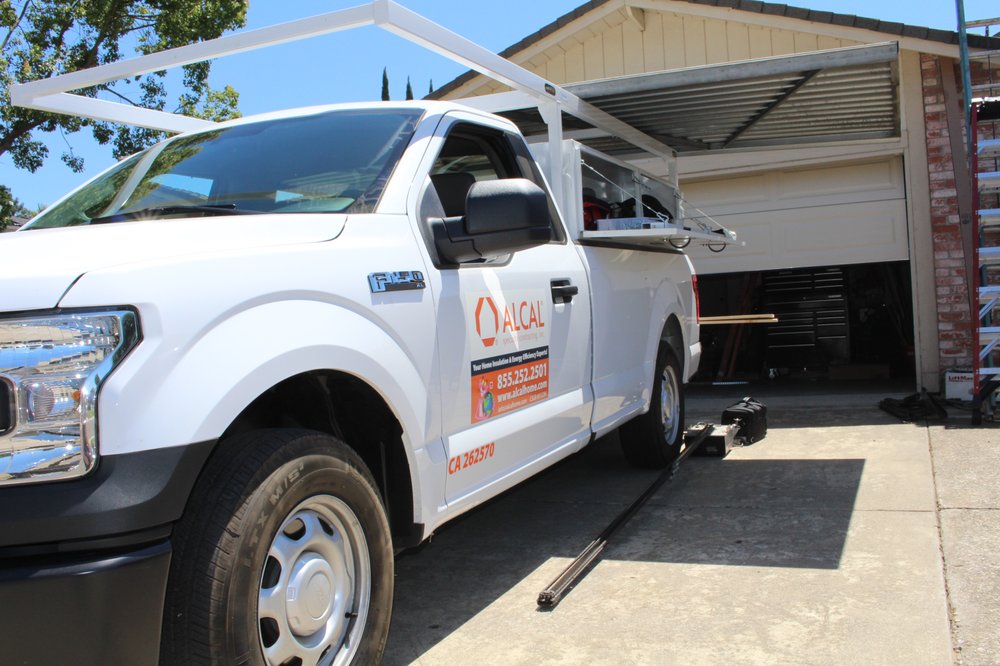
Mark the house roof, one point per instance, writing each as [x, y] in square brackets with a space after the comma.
[769, 8]
[16, 222]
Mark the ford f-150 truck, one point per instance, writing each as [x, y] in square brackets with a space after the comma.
[243, 368]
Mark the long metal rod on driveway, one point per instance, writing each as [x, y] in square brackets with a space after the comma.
[554, 591]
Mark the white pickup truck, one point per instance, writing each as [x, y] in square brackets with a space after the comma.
[243, 368]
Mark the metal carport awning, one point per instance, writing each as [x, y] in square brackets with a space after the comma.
[833, 95]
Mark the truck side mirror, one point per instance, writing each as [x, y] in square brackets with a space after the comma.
[502, 216]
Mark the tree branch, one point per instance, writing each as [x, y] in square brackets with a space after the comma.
[117, 94]
[58, 46]
[90, 56]
[24, 10]
[17, 130]
[62, 36]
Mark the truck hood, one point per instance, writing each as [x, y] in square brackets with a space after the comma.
[37, 267]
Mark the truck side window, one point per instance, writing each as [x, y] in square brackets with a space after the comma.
[473, 153]
[470, 154]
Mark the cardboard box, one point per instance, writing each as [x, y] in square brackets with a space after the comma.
[958, 385]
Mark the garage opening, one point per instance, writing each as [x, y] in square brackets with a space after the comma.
[852, 322]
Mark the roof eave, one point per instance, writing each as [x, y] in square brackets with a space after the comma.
[914, 38]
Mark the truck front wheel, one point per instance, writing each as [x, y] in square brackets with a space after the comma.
[654, 438]
[283, 557]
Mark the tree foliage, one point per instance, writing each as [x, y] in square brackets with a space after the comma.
[9, 207]
[44, 38]
[409, 87]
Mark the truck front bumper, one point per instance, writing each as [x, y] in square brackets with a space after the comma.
[84, 563]
[84, 609]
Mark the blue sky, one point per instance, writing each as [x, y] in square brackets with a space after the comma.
[348, 66]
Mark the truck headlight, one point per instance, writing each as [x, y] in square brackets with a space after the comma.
[51, 369]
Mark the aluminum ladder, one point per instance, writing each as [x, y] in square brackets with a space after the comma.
[982, 104]
[985, 130]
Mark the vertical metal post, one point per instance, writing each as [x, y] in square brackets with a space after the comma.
[551, 113]
[963, 45]
[675, 182]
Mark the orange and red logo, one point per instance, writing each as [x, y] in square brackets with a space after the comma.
[488, 332]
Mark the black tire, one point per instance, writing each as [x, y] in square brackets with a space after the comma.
[653, 440]
[270, 495]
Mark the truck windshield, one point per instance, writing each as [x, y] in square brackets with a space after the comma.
[331, 162]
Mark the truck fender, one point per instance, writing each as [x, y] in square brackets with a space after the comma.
[153, 407]
[667, 304]
[678, 293]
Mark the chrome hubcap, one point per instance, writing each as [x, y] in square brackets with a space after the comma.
[315, 589]
[670, 408]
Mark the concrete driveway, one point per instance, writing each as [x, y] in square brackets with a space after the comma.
[822, 544]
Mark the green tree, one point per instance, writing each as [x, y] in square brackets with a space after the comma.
[45, 38]
[409, 89]
[430, 87]
[385, 85]
[9, 207]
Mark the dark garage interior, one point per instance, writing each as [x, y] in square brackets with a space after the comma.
[852, 322]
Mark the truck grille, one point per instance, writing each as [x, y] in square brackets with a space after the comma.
[6, 408]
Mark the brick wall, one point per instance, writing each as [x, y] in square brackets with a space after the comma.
[954, 322]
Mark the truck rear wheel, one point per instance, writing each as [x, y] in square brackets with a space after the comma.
[283, 557]
[653, 440]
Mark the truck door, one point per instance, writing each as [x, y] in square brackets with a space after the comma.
[513, 334]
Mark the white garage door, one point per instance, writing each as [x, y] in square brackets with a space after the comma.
[817, 216]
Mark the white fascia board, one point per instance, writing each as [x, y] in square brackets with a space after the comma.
[753, 160]
[863, 35]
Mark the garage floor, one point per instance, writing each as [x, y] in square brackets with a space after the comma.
[826, 543]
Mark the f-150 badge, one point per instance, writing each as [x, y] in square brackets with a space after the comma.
[396, 281]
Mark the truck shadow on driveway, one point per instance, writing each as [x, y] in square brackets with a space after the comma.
[762, 513]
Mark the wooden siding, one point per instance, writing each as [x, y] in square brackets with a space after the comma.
[614, 45]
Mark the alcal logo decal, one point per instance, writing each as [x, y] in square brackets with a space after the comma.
[508, 318]
[509, 351]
